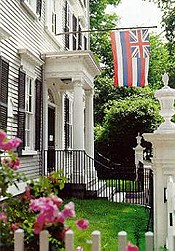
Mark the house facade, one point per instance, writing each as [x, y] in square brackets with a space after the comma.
[46, 79]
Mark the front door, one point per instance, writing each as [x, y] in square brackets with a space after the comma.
[51, 139]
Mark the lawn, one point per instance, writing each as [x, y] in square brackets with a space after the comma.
[110, 218]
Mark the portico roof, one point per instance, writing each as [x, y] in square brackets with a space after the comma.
[71, 65]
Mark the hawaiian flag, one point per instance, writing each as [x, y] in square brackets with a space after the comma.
[131, 49]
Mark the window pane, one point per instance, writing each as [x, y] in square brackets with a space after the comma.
[29, 125]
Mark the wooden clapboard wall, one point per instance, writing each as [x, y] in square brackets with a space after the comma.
[34, 34]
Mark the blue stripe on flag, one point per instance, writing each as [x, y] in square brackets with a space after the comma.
[139, 68]
[124, 58]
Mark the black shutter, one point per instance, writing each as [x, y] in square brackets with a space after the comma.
[39, 7]
[74, 21]
[85, 43]
[4, 73]
[38, 111]
[66, 123]
[79, 38]
[66, 26]
[21, 109]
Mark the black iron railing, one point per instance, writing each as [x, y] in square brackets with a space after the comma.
[114, 182]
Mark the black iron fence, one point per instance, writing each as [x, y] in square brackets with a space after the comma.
[114, 182]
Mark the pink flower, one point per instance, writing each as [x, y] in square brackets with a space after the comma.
[3, 217]
[68, 210]
[5, 161]
[14, 164]
[56, 200]
[79, 249]
[15, 226]
[82, 224]
[38, 227]
[60, 218]
[16, 142]
[27, 195]
[2, 136]
[11, 144]
[131, 247]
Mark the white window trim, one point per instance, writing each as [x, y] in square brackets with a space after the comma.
[29, 9]
[30, 150]
[29, 62]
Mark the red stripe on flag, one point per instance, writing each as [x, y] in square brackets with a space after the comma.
[114, 53]
[129, 58]
[141, 43]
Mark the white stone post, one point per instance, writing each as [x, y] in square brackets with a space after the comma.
[78, 116]
[138, 151]
[138, 154]
[163, 161]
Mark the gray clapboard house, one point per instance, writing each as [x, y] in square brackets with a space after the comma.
[46, 83]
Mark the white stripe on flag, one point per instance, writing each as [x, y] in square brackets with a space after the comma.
[146, 70]
[119, 58]
[134, 71]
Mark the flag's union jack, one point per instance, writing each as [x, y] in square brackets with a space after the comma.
[131, 51]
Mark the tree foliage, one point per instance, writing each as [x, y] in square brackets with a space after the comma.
[168, 24]
[100, 41]
[124, 118]
[120, 113]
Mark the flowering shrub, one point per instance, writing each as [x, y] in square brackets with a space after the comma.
[9, 164]
[37, 209]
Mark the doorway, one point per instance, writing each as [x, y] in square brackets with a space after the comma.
[51, 139]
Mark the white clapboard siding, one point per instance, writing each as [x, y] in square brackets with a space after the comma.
[34, 34]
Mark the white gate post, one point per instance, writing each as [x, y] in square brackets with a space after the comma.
[149, 241]
[19, 240]
[96, 241]
[44, 241]
[163, 161]
[122, 241]
[69, 240]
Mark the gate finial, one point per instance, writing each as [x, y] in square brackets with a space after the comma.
[166, 96]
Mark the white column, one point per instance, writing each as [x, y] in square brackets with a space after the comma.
[78, 116]
[89, 123]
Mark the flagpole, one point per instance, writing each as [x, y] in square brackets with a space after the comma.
[105, 30]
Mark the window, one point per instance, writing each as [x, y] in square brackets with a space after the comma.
[32, 3]
[34, 7]
[29, 113]
[73, 41]
[54, 17]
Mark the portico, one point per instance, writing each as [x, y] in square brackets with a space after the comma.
[70, 76]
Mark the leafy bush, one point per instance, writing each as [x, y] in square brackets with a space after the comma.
[37, 209]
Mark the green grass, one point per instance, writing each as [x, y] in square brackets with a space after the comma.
[110, 218]
[123, 185]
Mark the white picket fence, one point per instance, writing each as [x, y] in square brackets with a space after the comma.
[69, 241]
